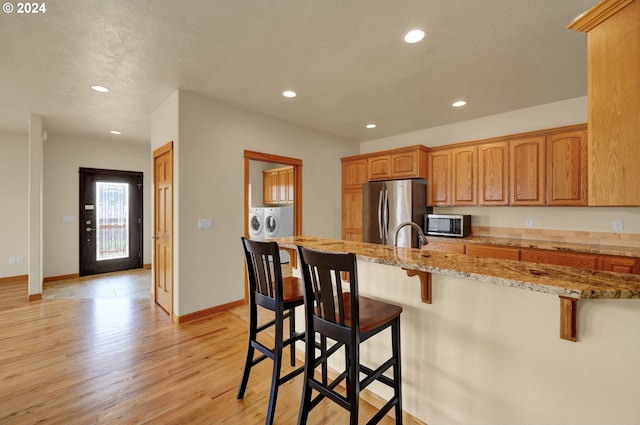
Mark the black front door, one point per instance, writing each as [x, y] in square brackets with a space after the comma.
[110, 220]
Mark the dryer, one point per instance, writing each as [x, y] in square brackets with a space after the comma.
[256, 224]
[278, 223]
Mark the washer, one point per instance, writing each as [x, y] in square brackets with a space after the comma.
[278, 223]
[256, 224]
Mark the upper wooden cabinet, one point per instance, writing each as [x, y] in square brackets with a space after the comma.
[464, 176]
[402, 163]
[493, 171]
[439, 178]
[567, 168]
[527, 171]
[613, 61]
[278, 186]
[354, 173]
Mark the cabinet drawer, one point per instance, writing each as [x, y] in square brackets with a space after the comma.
[446, 247]
[493, 251]
[571, 259]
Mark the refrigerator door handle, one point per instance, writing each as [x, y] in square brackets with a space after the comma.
[380, 216]
[385, 219]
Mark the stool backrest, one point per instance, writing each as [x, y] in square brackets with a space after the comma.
[326, 298]
[264, 272]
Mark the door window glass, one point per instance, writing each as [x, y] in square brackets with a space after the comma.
[112, 220]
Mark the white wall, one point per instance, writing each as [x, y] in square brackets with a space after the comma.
[212, 140]
[14, 175]
[63, 156]
[485, 354]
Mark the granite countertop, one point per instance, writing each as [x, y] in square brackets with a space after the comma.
[623, 251]
[558, 280]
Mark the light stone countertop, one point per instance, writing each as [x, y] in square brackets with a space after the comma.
[550, 279]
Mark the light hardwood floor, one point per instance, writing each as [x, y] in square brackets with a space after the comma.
[116, 358]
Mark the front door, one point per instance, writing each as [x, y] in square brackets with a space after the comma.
[110, 220]
[163, 227]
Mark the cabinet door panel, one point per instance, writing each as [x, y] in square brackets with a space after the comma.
[380, 167]
[404, 164]
[464, 176]
[527, 171]
[354, 173]
[439, 178]
[352, 210]
[567, 168]
[493, 170]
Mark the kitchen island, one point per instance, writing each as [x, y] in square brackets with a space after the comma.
[485, 350]
[569, 283]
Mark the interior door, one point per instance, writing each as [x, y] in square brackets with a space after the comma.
[163, 227]
[110, 220]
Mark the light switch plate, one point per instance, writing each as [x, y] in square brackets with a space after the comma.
[618, 226]
[528, 222]
[205, 223]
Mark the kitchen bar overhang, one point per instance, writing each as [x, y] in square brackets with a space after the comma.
[568, 283]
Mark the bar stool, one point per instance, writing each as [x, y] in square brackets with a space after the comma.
[268, 289]
[338, 313]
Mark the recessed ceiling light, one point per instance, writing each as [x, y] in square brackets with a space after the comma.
[458, 104]
[100, 89]
[413, 36]
[371, 126]
[115, 132]
[289, 93]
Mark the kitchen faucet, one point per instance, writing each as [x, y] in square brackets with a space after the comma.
[422, 239]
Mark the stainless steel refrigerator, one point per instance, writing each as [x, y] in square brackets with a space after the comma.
[386, 204]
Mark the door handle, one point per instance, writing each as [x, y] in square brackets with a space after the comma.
[155, 237]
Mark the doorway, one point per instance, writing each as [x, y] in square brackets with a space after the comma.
[251, 156]
[110, 221]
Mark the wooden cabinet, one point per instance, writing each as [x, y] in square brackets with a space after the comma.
[452, 247]
[560, 258]
[613, 61]
[493, 173]
[464, 176]
[410, 162]
[527, 171]
[439, 178]
[567, 168]
[614, 263]
[354, 175]
[494, 251]
[278, 186]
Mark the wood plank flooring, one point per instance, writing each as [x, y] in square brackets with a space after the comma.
[119, 360]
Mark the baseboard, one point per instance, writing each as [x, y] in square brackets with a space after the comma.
[35, 297]
[60, 277]
[207, 312]
[24, 278]
[147, 266]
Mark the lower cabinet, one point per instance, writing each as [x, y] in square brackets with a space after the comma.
[494, 251]
[560, 258]
[445, 247]
[614, 263]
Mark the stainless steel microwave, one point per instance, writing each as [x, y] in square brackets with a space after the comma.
[457, 225]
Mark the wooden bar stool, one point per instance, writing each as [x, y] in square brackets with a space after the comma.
[338, 313]
[268, 289]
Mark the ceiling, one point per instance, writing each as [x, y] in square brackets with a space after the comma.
[345, 59]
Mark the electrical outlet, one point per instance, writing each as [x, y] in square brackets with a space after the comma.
[528, 222]
[19, 260]
[618, 226]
